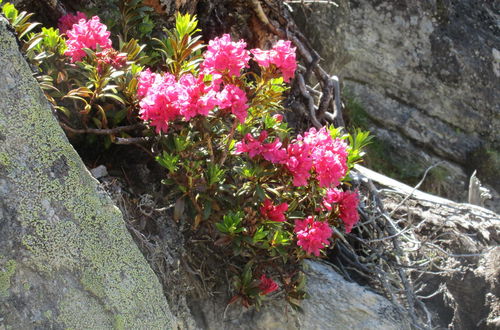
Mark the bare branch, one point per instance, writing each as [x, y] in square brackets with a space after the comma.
[102, 131]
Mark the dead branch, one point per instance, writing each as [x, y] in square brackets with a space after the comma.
[102, 131]
[329, 105]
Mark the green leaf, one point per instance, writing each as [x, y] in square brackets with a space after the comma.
[207, 209]
[168, 161]
[247, 275]
[259, 234]
[26, 28]
[260, 193]
[113, 96]
[215, 174]
[32, 43]
[181, 143]
[221, 227]
[231, 223]
[10, 12]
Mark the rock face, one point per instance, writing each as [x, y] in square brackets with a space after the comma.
[462, 291]
[427, 76]
[66, 258]
[334, 303]
[466, 293]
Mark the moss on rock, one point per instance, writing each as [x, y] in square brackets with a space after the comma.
[9, 269]
[70, 232]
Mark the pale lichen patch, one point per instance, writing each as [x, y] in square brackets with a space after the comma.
[69, 233]
[7, 270]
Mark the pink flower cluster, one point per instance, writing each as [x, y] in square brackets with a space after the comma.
[269, 151]
[233, 98]
[66, 22]
[86, 34]
[197, 97]
[163, 98]
[224, 56]
[274, 212]
[329, 156]
[312, 235]
[299, 162]
[267, 285]
[282, 56]
[317, 150]
[347, 206]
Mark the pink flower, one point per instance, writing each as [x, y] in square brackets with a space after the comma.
[329, 156]
[146, 80]
[273, 152]
[347, 204]
[251, 145]
[317, 150]
[285, 59]
[225, 57]
[332, 196]
[232, 97]
[66, 22]
[272, 212]
[278, 117]
[201, 98]
[269, 151]
[86, 34]
[312, 235]
[299, 162]
[162, 99]
[267, 285]
[282, 56]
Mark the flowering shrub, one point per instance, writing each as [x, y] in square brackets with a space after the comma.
[273, 198]
[90, 81]
[266, 198]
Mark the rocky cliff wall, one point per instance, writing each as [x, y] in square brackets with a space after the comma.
[66, 258]
[426, 74]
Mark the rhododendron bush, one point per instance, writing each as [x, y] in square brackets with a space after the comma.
[275, 198]
[265, 196]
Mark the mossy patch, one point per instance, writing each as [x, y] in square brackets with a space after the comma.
[70, 228]
[486, 161]
[6, 272]
[79, 310]
[4, 159]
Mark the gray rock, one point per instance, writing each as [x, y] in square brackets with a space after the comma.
[334, 303]
[99, 172]
[66, 258]
[465, 293]
[425, 71]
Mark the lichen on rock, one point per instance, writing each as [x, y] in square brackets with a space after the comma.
[59, 232]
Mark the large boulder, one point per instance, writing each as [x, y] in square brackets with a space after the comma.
[66, 258]
[426, 75]
[452, 253]
[333, 303]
